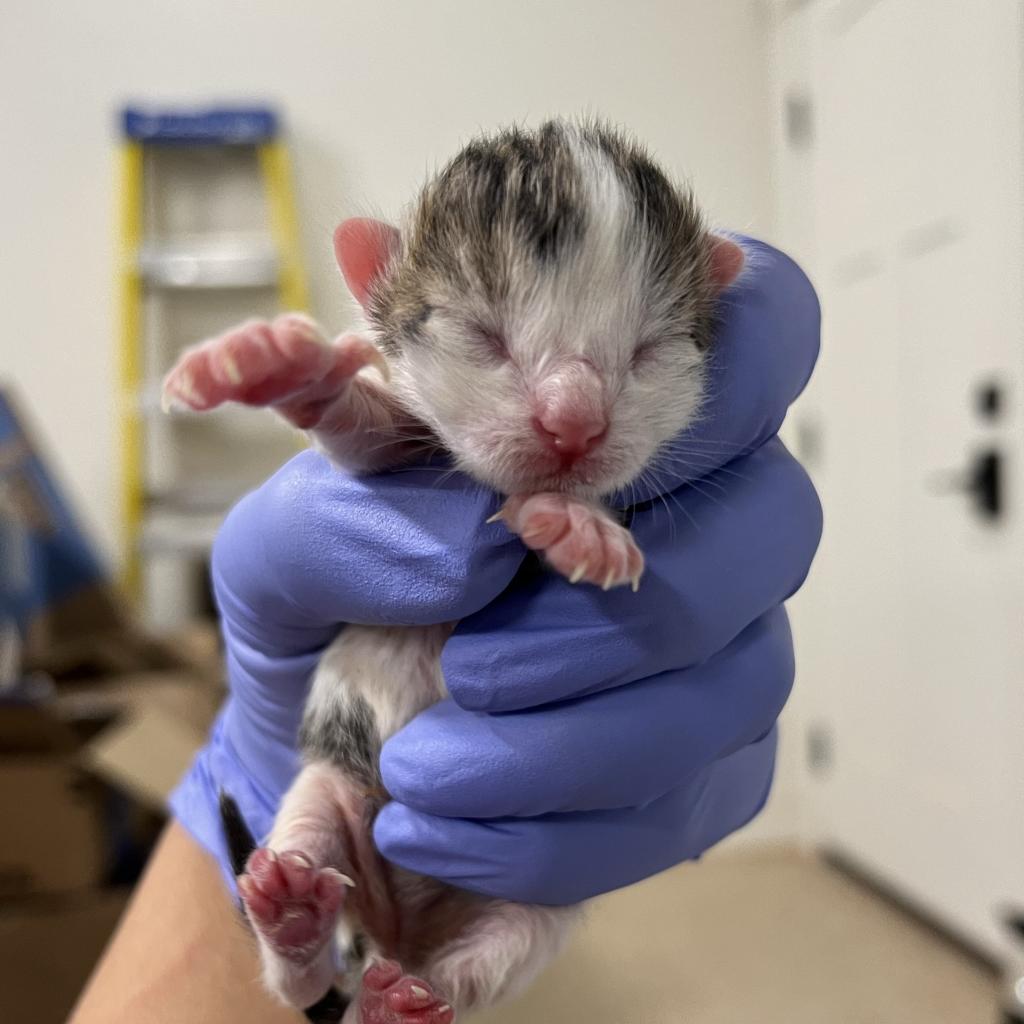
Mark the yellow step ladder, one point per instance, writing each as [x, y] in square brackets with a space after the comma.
[218, 262]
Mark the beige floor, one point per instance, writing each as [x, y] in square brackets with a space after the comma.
[754, 938]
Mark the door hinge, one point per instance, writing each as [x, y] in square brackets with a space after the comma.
[809, 441]
[799, 120]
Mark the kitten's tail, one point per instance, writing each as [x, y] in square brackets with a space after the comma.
[240, 840]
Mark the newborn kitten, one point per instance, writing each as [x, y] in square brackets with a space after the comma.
[543, 315]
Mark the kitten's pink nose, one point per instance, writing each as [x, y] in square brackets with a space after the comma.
[570, 413]
[572, 434]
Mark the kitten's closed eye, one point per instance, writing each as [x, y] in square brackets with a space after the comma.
[645, 353]
[493, 343]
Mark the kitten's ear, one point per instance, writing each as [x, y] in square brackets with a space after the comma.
[726, 261]
[364, 248]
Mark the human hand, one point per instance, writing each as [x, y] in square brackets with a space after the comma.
[547, 801]
[593, 739]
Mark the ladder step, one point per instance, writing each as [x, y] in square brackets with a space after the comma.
[214, 125]
[205, 497]
[179, 533]
[219, 263]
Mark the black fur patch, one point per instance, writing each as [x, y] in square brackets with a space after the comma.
[344, 733]
[505, 196]
[515, 185]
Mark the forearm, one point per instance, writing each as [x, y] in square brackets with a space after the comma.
[365, 430]
[181, 952]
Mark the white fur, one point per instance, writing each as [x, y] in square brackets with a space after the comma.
[501, 953]
[395, 669]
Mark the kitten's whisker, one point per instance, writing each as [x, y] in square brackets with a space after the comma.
[710, 497]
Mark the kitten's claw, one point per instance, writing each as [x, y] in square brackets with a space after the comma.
[181, 391]
[635, 583]
[375, 358]
[578, 573]
[578, 538]
[497, 517]
[388, 996]
[170, 403]
[231, 368]
[292, 903]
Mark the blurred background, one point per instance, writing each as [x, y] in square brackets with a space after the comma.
[878, 141]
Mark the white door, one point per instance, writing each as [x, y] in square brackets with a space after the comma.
[920, 687]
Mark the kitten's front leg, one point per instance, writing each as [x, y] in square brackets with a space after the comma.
[579, 538]
[287, 365]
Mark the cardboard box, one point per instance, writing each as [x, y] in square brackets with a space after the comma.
[152, 725]
[47, 951]
[53, 837]
[60, 759]
[93, 710]
[149, 748]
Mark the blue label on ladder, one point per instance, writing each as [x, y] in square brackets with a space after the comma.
[224, 125]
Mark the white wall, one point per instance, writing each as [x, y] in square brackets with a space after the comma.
[375, 93]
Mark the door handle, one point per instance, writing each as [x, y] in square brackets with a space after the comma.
[982, 482]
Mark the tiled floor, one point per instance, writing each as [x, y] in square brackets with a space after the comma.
[765, 938]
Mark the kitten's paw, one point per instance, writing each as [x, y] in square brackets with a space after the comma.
[579, 539]
[388, 996]
[286, 363]
[291, 903]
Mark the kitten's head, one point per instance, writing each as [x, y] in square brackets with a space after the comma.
[547, 307]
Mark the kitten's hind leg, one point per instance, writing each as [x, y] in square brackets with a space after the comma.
[389, 996]
[501, 953]
[294, 888]
[354, 702]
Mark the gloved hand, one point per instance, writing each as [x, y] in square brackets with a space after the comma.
[591, 739]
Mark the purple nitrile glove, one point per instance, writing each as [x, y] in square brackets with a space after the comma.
[591, 738]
